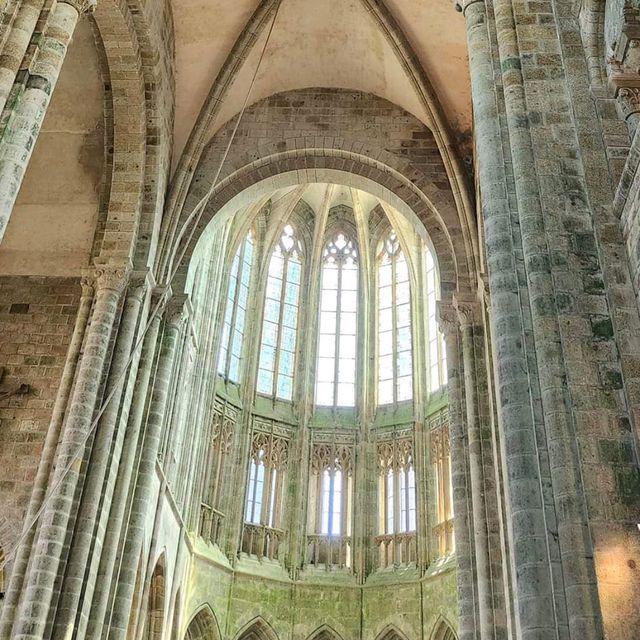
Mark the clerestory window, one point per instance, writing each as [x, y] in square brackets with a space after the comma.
[436, 352]
[280, 319]
[395, 363]
[336, 364]
[236, 309]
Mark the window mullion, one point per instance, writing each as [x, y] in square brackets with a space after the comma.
[394, 329]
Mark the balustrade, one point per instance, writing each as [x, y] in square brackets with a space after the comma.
[210, 523]
[329, 550]
[396, 549]
[261, 541]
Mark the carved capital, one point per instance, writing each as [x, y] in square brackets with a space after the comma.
[629, 100]
[139, 283]
[447, 319]
[177, 310]
[81, 6]
[469, 312]
[88, 283]
[112, 276]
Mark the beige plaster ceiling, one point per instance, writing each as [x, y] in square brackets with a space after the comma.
[329, 43]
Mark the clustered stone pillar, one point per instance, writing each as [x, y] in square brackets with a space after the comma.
[47, 458]
[118, 619]
[26, 105]
[477, 423]
[51, 541]
[103, 466]
[462, 509]
[117, 516]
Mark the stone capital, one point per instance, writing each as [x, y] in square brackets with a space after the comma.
[140, 282]
[469, 312]
[88, 283]
[81, 6]
[177, 311]
[447, 319]
[113, 276]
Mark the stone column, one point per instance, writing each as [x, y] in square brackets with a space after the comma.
[105, 585]
[49, 546]
[98, 490]
[531, 520]
[46, 459]
[462, 508]
[20, 32]
[25, 111]
[143, 494]
[477, 416]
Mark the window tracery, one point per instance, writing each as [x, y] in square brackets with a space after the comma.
[280, 318]
[331, 503]
[336, 363]
[441, 463]
[223, 424]
[395, 363]
[397, 500]
[236, 309]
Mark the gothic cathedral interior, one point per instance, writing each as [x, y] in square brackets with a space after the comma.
[319, 319]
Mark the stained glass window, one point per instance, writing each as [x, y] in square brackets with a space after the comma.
[395, 363]
[280, 319]
[435, 352]
[336, 364]
[235, 312]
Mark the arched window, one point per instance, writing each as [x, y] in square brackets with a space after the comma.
[395, 369]
[436, 353]
[397, 500]
[336, 370]
[234, 317]
[280, 320]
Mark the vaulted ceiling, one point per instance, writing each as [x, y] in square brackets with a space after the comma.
[329, 43]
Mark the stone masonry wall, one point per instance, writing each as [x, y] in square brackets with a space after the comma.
[37, 317]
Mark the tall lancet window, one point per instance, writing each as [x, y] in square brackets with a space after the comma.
[395, 368]
[234, 317]
[436, 351]
[336, 371]
[280, 321]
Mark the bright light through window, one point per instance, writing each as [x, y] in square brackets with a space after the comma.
[331, 523]
[395, 365]
[336, 364]
[280, 319]
[235, 313]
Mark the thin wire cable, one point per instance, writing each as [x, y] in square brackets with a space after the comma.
[199, 208]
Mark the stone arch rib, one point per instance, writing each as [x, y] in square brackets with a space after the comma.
[257, 629]
[203, 625]
[325, 632]
[443, 631]
[391, 632]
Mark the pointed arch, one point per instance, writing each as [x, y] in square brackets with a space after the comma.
[325, 632]
[257, 629]
[156, 602]
[443, 630]
[203, 625]
[391, 632]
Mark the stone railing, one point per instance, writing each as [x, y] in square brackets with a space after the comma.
[395, 549]
[444, 537]
[210, 523]
[329, 550]
[261, 541]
